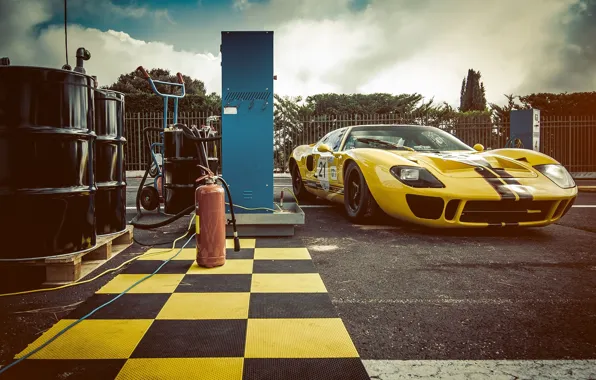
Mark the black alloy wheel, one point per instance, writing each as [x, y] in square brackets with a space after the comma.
[359, 203]
[298, 185]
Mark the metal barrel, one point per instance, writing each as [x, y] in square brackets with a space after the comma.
[47, 185]
[110, 174]
[180, 171]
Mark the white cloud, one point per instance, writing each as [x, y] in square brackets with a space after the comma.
[396, 46]
[241, 5]
[114, 53]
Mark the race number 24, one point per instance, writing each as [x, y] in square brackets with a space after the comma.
[322, 169]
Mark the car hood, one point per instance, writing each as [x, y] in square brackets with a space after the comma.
[463, 164]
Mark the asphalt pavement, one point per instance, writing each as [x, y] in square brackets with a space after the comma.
[406, 294]
[518, 303]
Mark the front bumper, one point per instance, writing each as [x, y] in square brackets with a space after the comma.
[438, 212]
[476, 204]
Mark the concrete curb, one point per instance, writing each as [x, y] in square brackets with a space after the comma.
[140, 173]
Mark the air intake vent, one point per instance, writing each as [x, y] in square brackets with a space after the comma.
[248, 95]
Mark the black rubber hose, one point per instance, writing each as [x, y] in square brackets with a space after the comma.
[188, 133]
[236, 239]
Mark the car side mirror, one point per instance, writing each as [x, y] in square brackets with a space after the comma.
[324, 148]
[479, 147]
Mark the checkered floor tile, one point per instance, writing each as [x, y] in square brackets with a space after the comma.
[265, 314]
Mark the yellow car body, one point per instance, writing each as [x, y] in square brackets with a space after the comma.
[501, 187]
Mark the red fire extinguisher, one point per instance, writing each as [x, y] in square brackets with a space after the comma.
[211, 221]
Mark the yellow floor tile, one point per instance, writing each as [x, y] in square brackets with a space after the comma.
[287, 283]
[298, 338]
[282, 254]
[206, 306]
[91, 339]
[182, 368]
[236, 266]
[159, 254]
[244, 243]
[158, 283]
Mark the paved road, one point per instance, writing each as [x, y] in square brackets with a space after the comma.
[504, 301]
[410, 293]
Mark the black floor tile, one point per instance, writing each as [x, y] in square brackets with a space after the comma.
[197, 283]
[243, 253]
[305, 369]
[291, 305]
[128, 306]
[150, 266]
[65, 369]
[284, 266]
[184, 339]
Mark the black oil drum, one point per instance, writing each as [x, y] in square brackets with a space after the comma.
[47, 185]
[180, 170]
[110, 174]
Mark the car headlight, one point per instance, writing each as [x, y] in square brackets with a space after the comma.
[416, 176]
[558, 174]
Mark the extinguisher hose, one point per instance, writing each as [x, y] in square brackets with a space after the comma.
[236, 239]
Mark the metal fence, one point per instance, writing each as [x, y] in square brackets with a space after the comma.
[570, 139]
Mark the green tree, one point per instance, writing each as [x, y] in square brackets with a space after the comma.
[472, 93]
[140, 96]
[365, 104]
[290, 122]
[133, 83]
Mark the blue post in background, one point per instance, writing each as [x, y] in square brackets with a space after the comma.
[247, 118]
[525, 126]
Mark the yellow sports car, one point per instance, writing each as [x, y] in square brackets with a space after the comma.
[427, 176]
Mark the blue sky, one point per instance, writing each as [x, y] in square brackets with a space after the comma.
[342, 46]
[188, 24]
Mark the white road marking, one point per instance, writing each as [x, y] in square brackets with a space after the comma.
[481, 301]
[480, 369]
[323, 248]
[584, 206]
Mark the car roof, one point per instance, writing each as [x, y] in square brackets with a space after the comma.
[388, 125]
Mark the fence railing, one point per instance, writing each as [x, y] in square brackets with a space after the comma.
[571, 139]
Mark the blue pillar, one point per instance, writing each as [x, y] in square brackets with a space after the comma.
[247, 118]
[525, 126]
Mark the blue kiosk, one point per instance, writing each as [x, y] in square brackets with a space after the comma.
[247, 135]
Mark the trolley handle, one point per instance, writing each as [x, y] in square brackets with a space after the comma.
[152, 83]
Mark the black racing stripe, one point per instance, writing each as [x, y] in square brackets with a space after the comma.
[508, 178]
[495, 182]
[484, 168]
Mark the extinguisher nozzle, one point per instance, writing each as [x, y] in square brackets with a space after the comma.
[236, 244]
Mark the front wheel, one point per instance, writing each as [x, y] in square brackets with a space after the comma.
[359, 203]
[298, 185]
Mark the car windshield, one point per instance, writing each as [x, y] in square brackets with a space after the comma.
[419, 138]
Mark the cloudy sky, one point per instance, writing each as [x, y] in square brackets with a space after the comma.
[345, 46]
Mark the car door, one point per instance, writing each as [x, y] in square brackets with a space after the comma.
[312, 174]
[327, 166]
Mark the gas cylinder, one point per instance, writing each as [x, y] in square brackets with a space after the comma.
[159, 186]
[210, 211]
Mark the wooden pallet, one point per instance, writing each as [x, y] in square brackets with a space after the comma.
[70, 268]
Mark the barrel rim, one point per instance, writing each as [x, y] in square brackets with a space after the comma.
[105, 90]
[44, 68]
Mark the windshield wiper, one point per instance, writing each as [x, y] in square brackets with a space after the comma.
[368, 140]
